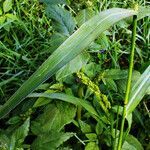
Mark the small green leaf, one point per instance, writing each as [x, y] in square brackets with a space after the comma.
[99, 127]
[92, 146]
[85, 128]
[7, 5]
[91, 136]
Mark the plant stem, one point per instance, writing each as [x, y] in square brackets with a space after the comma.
[115, 139]
[79, 109]
[128, 82]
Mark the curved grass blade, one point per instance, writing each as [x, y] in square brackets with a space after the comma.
[10, 79]
[66, 52]
[67, 98]
[138, 91]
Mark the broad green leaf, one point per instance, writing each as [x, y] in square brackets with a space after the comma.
[84, 15]
[50, 141]
[19, 135]
[53, 2]
[63, 21]
[127, 146]
[73, 46]
[68, 98]
[138, 91]
[73, 66]
[7, 5]
[55, 117]
[131, 143]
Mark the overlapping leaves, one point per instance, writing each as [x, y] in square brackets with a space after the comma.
[73, 46]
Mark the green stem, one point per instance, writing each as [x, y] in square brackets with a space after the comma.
[128, 82]
[115, 139]
[79, 109]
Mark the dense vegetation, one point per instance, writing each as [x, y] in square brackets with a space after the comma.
[93, 88]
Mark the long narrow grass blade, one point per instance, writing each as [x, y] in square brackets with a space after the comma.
[10, 79]
[138, 91]
[66, 52]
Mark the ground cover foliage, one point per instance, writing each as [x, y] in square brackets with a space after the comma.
[75, 99]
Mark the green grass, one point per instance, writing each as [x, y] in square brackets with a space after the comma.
[65, 108]
[25, 45]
